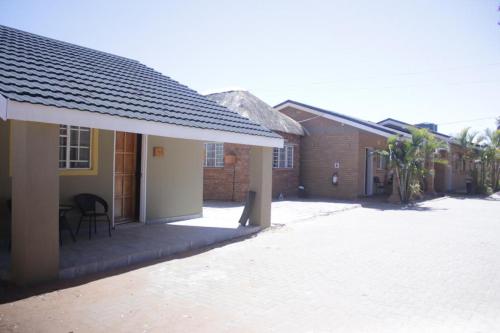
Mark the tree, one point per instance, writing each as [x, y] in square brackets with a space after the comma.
[467, 138]
[408, 160]
[490, 157]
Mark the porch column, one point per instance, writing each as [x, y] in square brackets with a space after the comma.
[261, 169]
[35, 202]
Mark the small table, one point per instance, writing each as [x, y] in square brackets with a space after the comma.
[63, 222]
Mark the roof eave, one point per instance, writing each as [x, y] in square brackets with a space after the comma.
[55, 115]
[382, 132]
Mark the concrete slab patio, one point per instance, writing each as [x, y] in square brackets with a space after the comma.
[135, 243]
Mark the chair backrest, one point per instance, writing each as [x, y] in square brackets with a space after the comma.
[87, 202]
[376, 180]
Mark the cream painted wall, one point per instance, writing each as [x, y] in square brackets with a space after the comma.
[100, 184]
[175, 180]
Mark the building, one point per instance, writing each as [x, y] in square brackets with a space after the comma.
[226, 167]
[339, 154]
[75, 120]
[450, 176]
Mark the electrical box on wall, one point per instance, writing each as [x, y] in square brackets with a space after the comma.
[158, 152]
[336, 165]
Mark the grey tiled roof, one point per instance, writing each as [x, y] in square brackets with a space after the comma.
[45, 71]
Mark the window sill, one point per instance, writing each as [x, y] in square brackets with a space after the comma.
[77, 172]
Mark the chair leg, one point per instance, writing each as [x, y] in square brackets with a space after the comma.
[79, 223]
[109, 225]
[90, 227]
[95, 224]
[60, 238]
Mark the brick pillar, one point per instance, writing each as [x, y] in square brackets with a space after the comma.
[35, 202]
[261, 182]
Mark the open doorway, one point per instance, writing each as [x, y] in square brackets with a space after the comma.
[127, 177]
[368, 171]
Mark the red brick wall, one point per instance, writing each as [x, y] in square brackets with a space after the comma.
[326, 143]
[286, 181]
[218, 182]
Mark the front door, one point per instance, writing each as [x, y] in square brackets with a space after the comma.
[126, 175]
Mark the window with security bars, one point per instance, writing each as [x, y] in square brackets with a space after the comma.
[214, 155]
[74, 147]
[283, 157]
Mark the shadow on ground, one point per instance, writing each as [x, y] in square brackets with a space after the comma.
[9, 292]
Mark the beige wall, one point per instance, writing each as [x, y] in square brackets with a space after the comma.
[5, 181]
[35, 202]
[174, 181]
[100, 184]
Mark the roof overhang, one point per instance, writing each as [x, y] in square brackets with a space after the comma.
[55, 115]
[342, 120]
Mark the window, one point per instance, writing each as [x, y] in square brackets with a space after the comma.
[283, 157]
[214, 155]
[75, 147]
[381, 162]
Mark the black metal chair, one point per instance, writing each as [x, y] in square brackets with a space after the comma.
[87, 203]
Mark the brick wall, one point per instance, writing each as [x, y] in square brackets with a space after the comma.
[286, 181]
[326, 143]
[218, 182]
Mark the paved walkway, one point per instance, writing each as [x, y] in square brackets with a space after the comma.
[431, 268]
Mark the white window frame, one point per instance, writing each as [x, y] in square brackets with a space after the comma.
[283, 157]
[70, 145]
[218, 160]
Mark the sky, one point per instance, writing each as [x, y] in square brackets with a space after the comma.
[413, 60]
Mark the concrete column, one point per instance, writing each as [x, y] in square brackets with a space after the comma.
[35, 202]
[261, 169]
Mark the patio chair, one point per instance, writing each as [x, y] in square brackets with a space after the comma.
[87, 203]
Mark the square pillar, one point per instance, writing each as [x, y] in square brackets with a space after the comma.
[261, 170]
[35, 202]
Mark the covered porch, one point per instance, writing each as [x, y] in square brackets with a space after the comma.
[168, 217]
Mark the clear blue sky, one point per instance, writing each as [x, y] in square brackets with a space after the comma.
[420, 60]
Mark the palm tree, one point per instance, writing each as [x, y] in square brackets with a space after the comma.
[490, 141]
[408, 159]
[467, 139]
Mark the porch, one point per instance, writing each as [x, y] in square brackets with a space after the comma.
[134, 243]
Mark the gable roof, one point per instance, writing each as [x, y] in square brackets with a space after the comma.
[402, 126]
[48, 72]
[348, 120]
[253, 108]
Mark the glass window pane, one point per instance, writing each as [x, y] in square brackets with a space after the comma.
[74, 136]
[84, 138]
[73, 154]
[84, 154]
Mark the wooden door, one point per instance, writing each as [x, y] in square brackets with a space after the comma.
[125, 177]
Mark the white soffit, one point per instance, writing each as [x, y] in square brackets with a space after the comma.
[55, 115]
